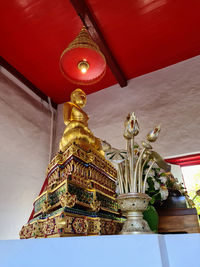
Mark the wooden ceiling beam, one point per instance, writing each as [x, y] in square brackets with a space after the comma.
[25, 81]
[90, 23]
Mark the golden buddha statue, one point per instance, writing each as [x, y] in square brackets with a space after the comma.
[76, 121]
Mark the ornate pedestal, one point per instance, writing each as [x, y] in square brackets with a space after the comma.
[133, 205]
[79, 198]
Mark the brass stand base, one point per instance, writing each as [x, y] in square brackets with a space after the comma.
[133, 205]
[135, 224]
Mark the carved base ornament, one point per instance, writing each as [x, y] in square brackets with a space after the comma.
[67, 200]
[72, 222]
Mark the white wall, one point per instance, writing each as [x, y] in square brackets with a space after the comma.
[170, 96]
[176, 171]
[24, 141]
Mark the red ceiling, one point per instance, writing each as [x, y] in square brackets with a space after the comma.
[144, 35]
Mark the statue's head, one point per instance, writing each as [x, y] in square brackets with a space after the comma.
[78, 97]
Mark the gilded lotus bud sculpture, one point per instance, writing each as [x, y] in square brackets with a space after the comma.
[131, 178]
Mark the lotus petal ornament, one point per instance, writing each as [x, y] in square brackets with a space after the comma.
[131, 126]
[113, 154]
[105, 145]
[153, 135]
[116, 155]
[146, 145]
[160, 161]
[131, 176]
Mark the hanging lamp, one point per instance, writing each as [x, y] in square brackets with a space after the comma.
[82, 61]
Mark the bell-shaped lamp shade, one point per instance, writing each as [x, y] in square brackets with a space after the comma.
[82, 61]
